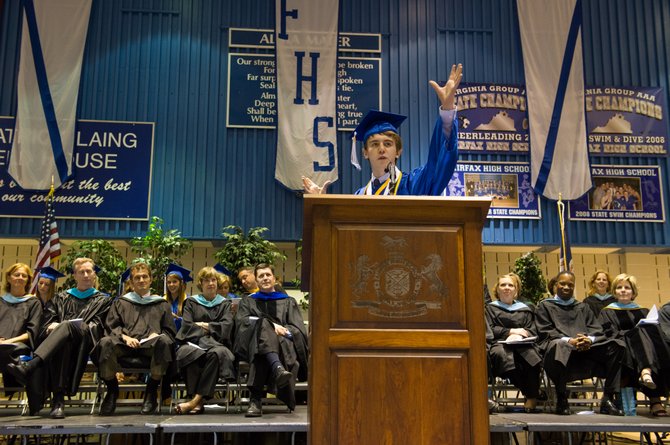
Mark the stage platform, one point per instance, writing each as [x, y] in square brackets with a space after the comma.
[163, 428]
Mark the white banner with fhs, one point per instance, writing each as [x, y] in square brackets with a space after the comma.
[306, 36]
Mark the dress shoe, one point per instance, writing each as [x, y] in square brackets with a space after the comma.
[282, 377]
[109, 403]
[150, 404]
[57, 411]
[255, 409]
[607, 406]
[19, 372]
[562, 406]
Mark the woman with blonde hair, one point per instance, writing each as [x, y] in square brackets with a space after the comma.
[513, 353]
[176, 278]
[204, 355]
[599, 296]
[20, 317]
[647, 359]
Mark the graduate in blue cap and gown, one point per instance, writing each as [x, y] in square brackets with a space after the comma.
[271, 336]
[176, 278]
[73, 323]
[205, 341]
[20, 316]
[383, 146]
[46, 284]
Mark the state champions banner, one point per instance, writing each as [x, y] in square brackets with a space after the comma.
[506, 183]
[306, 42]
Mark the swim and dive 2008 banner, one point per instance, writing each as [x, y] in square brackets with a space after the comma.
[112, 174]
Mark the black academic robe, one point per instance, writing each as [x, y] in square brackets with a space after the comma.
[217, 340]
[139, 321]
[17, 319]
[664, 321]
[254, 319]
[645, 346]
[67, 352]
[597, 305]
[505, 357]
[520, 363]
[564, 363]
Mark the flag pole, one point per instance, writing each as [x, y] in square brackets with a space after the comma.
[561, 221]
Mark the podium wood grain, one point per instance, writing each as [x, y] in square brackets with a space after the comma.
[396, 320]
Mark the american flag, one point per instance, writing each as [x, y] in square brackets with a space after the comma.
[49, 240]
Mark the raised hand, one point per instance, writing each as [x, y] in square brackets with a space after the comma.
[447, 93]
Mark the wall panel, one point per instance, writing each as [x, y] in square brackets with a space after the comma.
[166, 61]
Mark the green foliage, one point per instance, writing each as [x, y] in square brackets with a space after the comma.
[158, 248]
[106, 257]
[533, 284]
[304, 303]
[241, 250]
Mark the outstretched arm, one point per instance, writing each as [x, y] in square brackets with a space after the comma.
[447, 93]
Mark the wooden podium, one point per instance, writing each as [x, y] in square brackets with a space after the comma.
[396, 320]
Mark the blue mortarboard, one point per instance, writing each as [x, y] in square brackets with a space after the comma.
[181, 272]
[50, 273]
[222, 269]
[125, 275]
[374, 122]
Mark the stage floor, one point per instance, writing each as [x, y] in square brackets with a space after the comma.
[277, 419]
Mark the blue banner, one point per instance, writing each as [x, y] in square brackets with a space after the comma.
[112, 165]
[626, 121]
[492, 119]
[507, 183]
[252, 99]
[622, 193]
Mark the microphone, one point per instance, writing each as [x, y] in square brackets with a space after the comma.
[390, 168]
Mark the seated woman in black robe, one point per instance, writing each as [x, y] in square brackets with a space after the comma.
[599, 296]
[204, 356]
[511, 321]
[647, 359]
[271, 336]
[20, 316]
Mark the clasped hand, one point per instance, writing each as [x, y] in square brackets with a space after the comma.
[581, 342]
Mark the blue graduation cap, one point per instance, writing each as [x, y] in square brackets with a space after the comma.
[181, 272]
[124, 277]
[223, 269]
[374, 122]
[50, 273]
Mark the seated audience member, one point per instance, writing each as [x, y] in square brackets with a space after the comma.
[46, 284]
[204, 355]
[271, 336]
[20, 317]
[72, 324]
[599, 294]
[248, 280]
[512, 320]
[139, 324]
[176, 278]
[574, 344]
[647, 359]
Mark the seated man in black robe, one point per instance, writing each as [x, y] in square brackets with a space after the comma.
[73, 322]
[271, 336]
[575, 345]
[138, 325]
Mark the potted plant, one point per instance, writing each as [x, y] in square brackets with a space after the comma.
[533, 284]
[158, 248]
[106, 257]
[246, 249]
